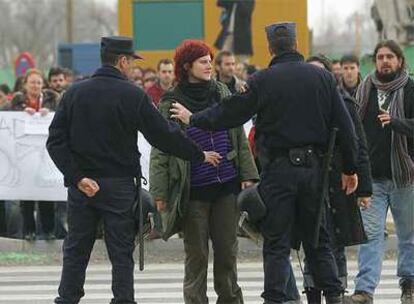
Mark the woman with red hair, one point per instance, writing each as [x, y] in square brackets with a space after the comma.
[198, 199]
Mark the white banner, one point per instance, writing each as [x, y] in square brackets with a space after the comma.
[26, 170]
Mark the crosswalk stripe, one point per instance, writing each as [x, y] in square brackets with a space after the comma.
[159, 283]
[387, 264]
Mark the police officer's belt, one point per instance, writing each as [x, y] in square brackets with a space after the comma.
[300, 156]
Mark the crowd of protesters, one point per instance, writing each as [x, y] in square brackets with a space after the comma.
[33, 93]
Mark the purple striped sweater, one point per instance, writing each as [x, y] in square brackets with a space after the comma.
[203, 174]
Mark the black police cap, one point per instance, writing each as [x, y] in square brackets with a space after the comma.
[119, 45]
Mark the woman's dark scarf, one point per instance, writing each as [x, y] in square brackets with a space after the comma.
[197, 96]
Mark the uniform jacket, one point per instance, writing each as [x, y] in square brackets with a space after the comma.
[94, 131]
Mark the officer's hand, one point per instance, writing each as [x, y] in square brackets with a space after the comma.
[88, 186]
[364, 202]
[212, 158]
[349, 183]
[29, 110]
[247, 184]
[161, 205]
[44, 111]
[180, 112]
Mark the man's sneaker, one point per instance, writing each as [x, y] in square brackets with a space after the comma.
[359, 297]
[407, 292]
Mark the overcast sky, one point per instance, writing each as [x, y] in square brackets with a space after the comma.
[317, 10]
[341, 9]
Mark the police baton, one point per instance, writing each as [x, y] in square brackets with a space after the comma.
[141, 233]
[324, 183]
[138, 212]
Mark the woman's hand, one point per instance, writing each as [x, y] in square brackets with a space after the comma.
[44, 111]
[180, 112]
[30, 111]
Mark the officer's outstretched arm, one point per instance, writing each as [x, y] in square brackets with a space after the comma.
[165, 135]
[232, 112]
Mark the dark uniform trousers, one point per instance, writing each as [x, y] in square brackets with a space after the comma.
[290, 193]
[113, 205]
[340, 258]
[216, 220]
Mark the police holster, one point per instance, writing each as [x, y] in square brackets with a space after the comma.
[139, 221]
[301, 157]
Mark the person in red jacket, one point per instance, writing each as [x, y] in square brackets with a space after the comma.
[165, 81]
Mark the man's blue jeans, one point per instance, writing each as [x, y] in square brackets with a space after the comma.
[401, 203]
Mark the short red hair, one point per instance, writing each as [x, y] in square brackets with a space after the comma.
[188, 52]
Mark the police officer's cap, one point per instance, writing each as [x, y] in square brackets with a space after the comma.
[290, 28]
[250, 201]
[119, 45]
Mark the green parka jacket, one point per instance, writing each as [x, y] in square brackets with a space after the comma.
[170, 176]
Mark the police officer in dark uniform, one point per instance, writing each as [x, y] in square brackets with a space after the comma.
[93, 142]
[297, 106]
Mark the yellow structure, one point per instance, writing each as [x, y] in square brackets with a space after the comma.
[160, 11]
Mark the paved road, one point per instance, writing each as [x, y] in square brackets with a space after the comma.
[159, 283]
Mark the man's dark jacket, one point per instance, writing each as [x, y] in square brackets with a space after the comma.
[95, 129]
[379, 137]
[297, 104]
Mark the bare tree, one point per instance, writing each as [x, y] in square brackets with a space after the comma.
[39, 26]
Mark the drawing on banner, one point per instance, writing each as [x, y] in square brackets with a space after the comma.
[27, 172]
[47, 173]
[9, 173]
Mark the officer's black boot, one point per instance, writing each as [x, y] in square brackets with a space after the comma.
[313, 295]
